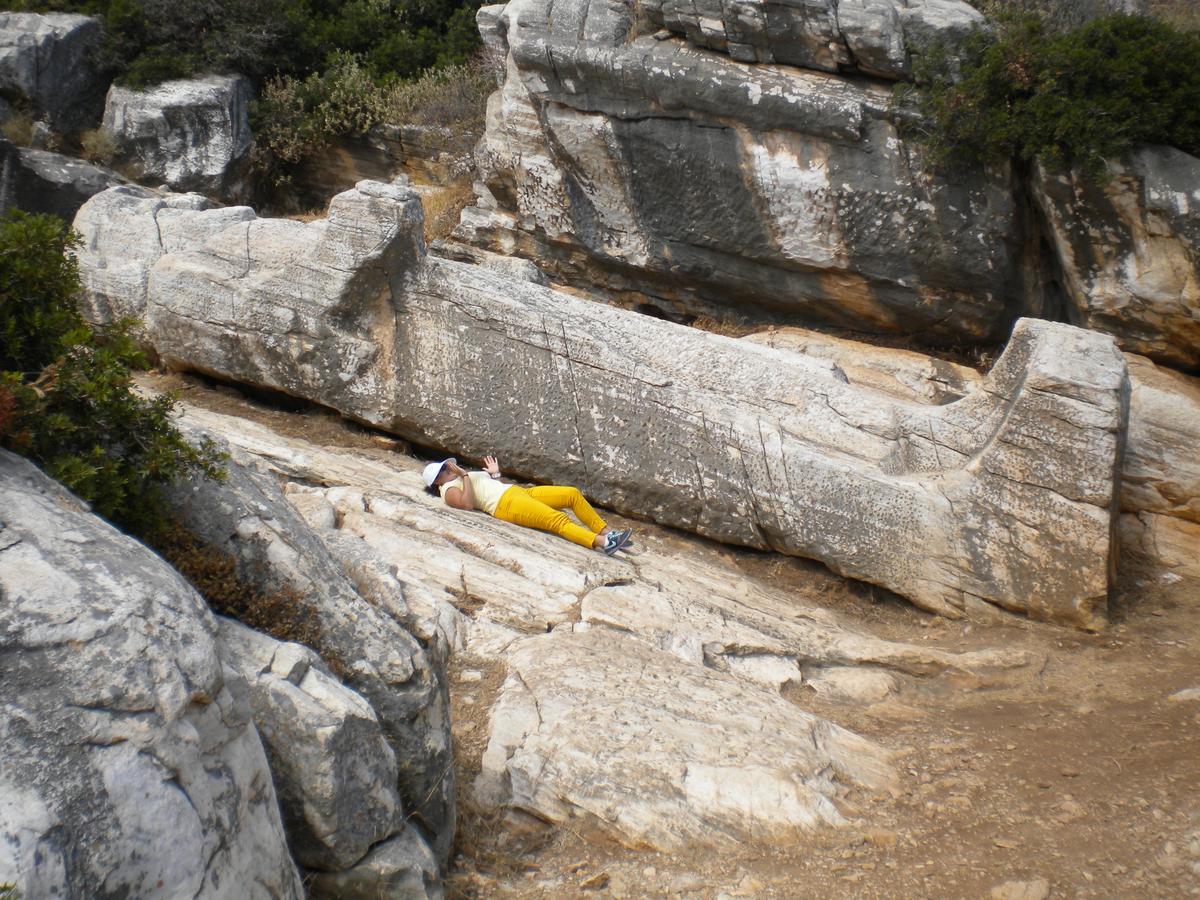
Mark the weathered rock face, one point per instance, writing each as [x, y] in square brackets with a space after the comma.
[1160, 472]
[193, 134]
[46, 60]
[576, 715]
[124, 233]
[333, 770]
[877, 37]
[679, 630]
[435, 155]
[1129, 250]
[659, 168]
[37, 181]
[745, 444]
[248, 518]
[399, 867]
[130, 761]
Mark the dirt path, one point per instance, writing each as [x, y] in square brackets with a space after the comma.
[1086, 774]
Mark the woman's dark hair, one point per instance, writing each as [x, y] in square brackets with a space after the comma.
[431, 490]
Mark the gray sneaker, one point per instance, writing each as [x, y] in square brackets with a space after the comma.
[616, 540]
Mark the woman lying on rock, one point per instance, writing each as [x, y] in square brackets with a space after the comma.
[536, 507]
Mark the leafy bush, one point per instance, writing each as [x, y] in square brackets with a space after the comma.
[297, 118]
[1078, 96]
[66, 392]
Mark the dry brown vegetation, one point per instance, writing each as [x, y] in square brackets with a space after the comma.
[284, 613]
[443, 206]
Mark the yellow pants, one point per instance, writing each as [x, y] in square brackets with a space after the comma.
[539, 507]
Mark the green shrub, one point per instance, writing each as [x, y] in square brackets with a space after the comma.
[1078, 96]
[297, 118]
[66, 391]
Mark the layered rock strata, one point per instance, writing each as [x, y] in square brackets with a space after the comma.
[1129, 250]
[247, 518]
[649, 659]
[46, 60]
[192, 134]
[1008, 491]
[131, 766]
[656, 168]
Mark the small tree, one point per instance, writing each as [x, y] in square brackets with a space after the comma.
[66, 392]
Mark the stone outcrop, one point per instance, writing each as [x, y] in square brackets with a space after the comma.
[578, 716]
[876, 37]
[428, 153]
[191, 134]
[678, 627]
[38, 181]
[746, 444]
[1129, 250]
[333, 770]
[46, 61]
[247, 518]
[130, 759]
[674, 175]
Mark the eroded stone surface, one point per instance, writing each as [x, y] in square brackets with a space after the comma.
[598, 731]
[38, 181]
[333, 770]
[659, 169]
[130, 758]
[247, 517]
[47, 59]
[1129, 250]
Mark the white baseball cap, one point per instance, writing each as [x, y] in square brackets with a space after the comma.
[430, 473]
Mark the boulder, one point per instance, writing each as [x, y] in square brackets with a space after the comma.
[46, 61]
[1128, 250]
[673, 175]
[191, 134]
[615, 738]
[248, 518]
[130, 759]
[400, 867]
[38, 181]
[333, 770]
[747, 444]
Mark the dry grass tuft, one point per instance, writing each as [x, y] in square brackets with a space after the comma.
[443, 207]
[19, 129]
[284, 614]
[726, 325]
[98, 146]
[311, 215]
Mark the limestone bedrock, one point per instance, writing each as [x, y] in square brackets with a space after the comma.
[131, 764]
[1004, 496]
[666, 168]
